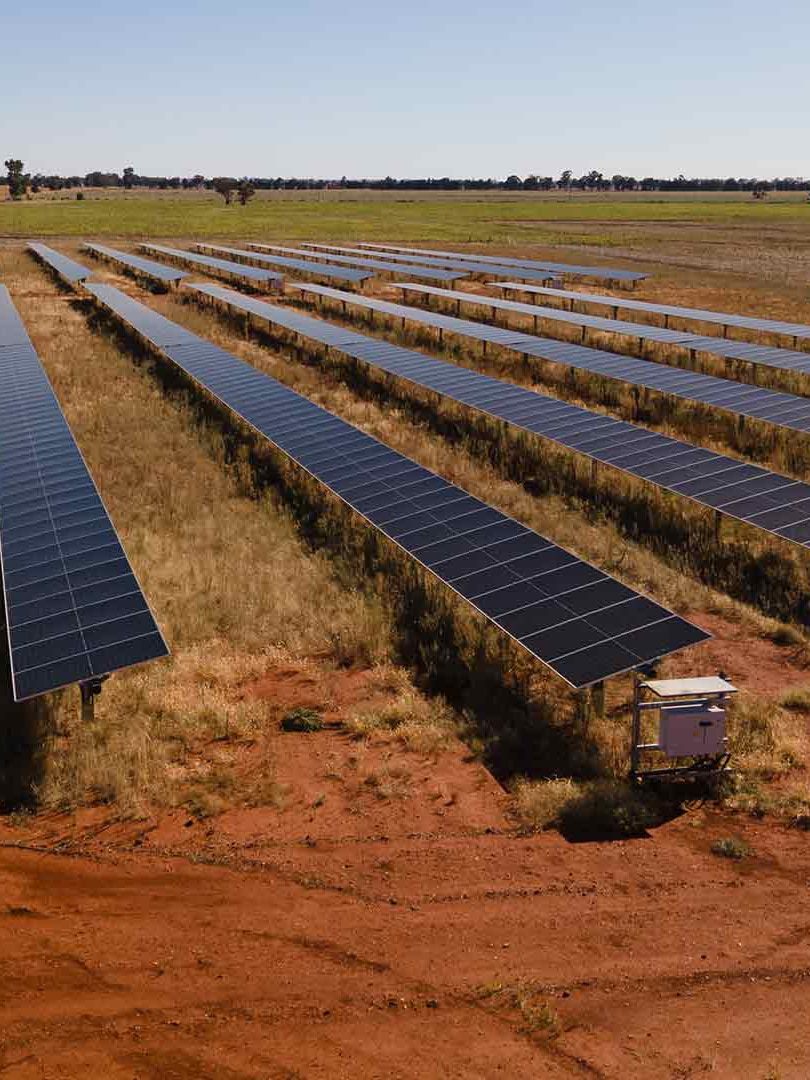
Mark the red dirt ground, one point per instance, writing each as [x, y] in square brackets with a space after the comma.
[395, 936]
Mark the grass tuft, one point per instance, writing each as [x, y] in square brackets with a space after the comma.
[302, 719]
[731, 847]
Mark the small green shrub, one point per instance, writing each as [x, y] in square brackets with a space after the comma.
[731, 847]
[302, 719]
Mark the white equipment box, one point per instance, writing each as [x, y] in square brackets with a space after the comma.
[692, 729]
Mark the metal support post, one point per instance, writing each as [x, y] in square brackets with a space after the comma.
[636, 726]
[598, 698]
[90, 691]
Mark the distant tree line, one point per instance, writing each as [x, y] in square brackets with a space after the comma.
[20, 183]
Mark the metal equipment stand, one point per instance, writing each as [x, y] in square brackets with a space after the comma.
[697, 695]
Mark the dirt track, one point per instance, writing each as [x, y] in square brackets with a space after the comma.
[276, 944]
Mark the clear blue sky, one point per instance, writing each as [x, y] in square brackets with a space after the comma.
[316, 88]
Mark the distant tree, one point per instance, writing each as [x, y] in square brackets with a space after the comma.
[128, 178]
[513, 182]
[246, 191]
[565, 179]
[591, 181]
[624, 183]
[225, 186]
[102, 179]
[17, 179]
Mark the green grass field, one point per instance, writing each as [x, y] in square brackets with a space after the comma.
[346, 215]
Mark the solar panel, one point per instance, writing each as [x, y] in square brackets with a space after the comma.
[157, 271]
[426, 272]
[605, 273]
[12, 330]
[775, 504]
[66, 268]
[796, 331]
[757, 403]
[74, 609]
[318, 270]
[217, 267]
[788, 359]
[583, 624]
[466, 266]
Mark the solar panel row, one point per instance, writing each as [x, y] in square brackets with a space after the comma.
[74, 609]
[604, 273]
[68, 269]
[769, 406]
[759, 497]
[796, 331]
[463, 267]
[248, 275]
[787, 359]
[146, 267]
[425, 272]
[580, 622]
[313, 269]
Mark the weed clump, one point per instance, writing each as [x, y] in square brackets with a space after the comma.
[302, 719]
[591, 810]
[731, 847]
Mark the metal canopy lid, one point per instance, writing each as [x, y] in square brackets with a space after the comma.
[674, 688]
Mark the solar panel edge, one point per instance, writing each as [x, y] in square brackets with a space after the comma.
[211, 291]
